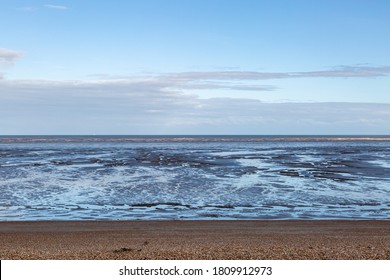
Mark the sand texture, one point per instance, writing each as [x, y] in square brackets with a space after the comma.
[195, 240]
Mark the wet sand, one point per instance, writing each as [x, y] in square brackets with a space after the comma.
[195, 240]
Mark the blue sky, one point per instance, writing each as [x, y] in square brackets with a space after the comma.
[194, 67]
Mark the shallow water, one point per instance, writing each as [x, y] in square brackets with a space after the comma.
[177, 177]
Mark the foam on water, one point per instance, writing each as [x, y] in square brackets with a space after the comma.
[71, 178]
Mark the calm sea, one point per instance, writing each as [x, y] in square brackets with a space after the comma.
[194, 177]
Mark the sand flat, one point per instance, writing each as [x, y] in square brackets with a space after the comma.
[195, 240]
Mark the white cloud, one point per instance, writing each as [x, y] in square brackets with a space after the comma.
[238, 80]
[348, 72]
[8, 56]
[160, 104]
[157, 106]
[58, 7]
[337, 72]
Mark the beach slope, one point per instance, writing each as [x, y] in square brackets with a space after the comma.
[195, 240]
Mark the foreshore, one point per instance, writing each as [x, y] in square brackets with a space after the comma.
[189, 240]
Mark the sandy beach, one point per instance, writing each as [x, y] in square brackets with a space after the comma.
[195, 240]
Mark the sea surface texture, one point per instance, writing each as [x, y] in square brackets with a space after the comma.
[202, 177]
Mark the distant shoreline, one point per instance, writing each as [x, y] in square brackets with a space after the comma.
[187, 138]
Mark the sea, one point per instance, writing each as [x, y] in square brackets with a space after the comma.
[194, 177]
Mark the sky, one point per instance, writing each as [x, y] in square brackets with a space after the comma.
[144, 67]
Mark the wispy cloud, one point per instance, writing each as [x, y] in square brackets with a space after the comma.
[8, 57]
[238, 80]
[163, 104]
[209, 80]
[58, 7]
[347, 72]
[156, 106]
[337, 72]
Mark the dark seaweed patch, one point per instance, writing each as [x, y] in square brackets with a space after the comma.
[160, 204]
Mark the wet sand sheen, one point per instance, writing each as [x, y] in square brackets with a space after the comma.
[195, 240]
